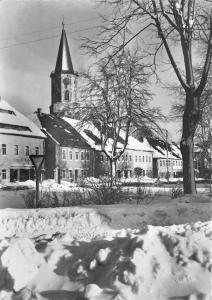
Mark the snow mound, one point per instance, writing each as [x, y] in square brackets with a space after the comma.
[157, 263]
[22, 262]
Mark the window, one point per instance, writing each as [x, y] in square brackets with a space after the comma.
[126, 157]
[66, 95]
[82, 173]
[70, 155]
[146, 158]
[63, 154]
[150, 159]
[143, 158]
[130, 157]
[88, 155]
[164, 163]
[27, 150]
[37, 150]
[122, 157]
[136, 158]
[82, 155]
[101, 158]
[4, 149]
[139, 158]
[4, 174]
[173, 162]
[63, 173]
[16, 149]
[161, 162]
[77, 155]
[70, 174]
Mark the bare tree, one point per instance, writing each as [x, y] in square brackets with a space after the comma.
[175, 26]
[202, 137]
[115, 98]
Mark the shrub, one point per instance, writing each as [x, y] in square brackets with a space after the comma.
[105, 191]
[29, 199]
[98, 192]
[143, 195]
[176, 191]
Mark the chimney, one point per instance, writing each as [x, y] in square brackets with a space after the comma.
[39, 111]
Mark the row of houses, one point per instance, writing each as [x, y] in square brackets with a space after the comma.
[72, 151]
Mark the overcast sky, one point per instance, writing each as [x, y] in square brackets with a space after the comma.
[26, 67]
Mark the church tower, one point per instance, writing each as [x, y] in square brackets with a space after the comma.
[63, 79]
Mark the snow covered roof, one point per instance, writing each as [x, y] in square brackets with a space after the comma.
[61, 131]
[160, 149]
[91, 134]
[15, 123]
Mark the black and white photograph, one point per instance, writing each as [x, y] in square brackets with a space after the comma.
[105, 149]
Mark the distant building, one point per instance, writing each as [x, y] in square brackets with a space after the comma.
[19, 137]
[137, 155]
[167, 159]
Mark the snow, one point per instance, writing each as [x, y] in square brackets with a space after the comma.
[26, 266]
[18, 119]
[93, 221]
[160, 251]
[133, 143]
[151, 263]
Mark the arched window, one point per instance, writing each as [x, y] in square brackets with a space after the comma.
[67, 95]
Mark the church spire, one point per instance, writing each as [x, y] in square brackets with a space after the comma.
[64, 63]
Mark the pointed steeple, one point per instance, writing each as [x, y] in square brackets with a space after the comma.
[64, 63]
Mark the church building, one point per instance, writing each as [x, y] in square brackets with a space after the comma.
[68, 155]
[63, 80]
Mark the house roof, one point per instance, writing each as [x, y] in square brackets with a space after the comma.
[15, 123]
[91, 134]
[61, 131]
[161, 147]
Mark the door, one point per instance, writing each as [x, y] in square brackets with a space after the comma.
[76, 174]
[13, 175]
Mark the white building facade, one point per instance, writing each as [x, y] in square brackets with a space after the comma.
[19, 138]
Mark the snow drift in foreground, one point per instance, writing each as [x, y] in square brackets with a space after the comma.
[153, 263]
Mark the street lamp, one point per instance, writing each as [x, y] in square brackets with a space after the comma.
[37, 161]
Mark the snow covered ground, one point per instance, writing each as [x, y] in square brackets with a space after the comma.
[159, 251]
[149, 263]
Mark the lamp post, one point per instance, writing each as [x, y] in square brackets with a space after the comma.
[37, 161]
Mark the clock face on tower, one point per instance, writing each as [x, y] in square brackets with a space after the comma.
[66, 81]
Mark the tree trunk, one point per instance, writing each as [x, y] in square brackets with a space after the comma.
[191, 118]
[112, 171]
[186, 147]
